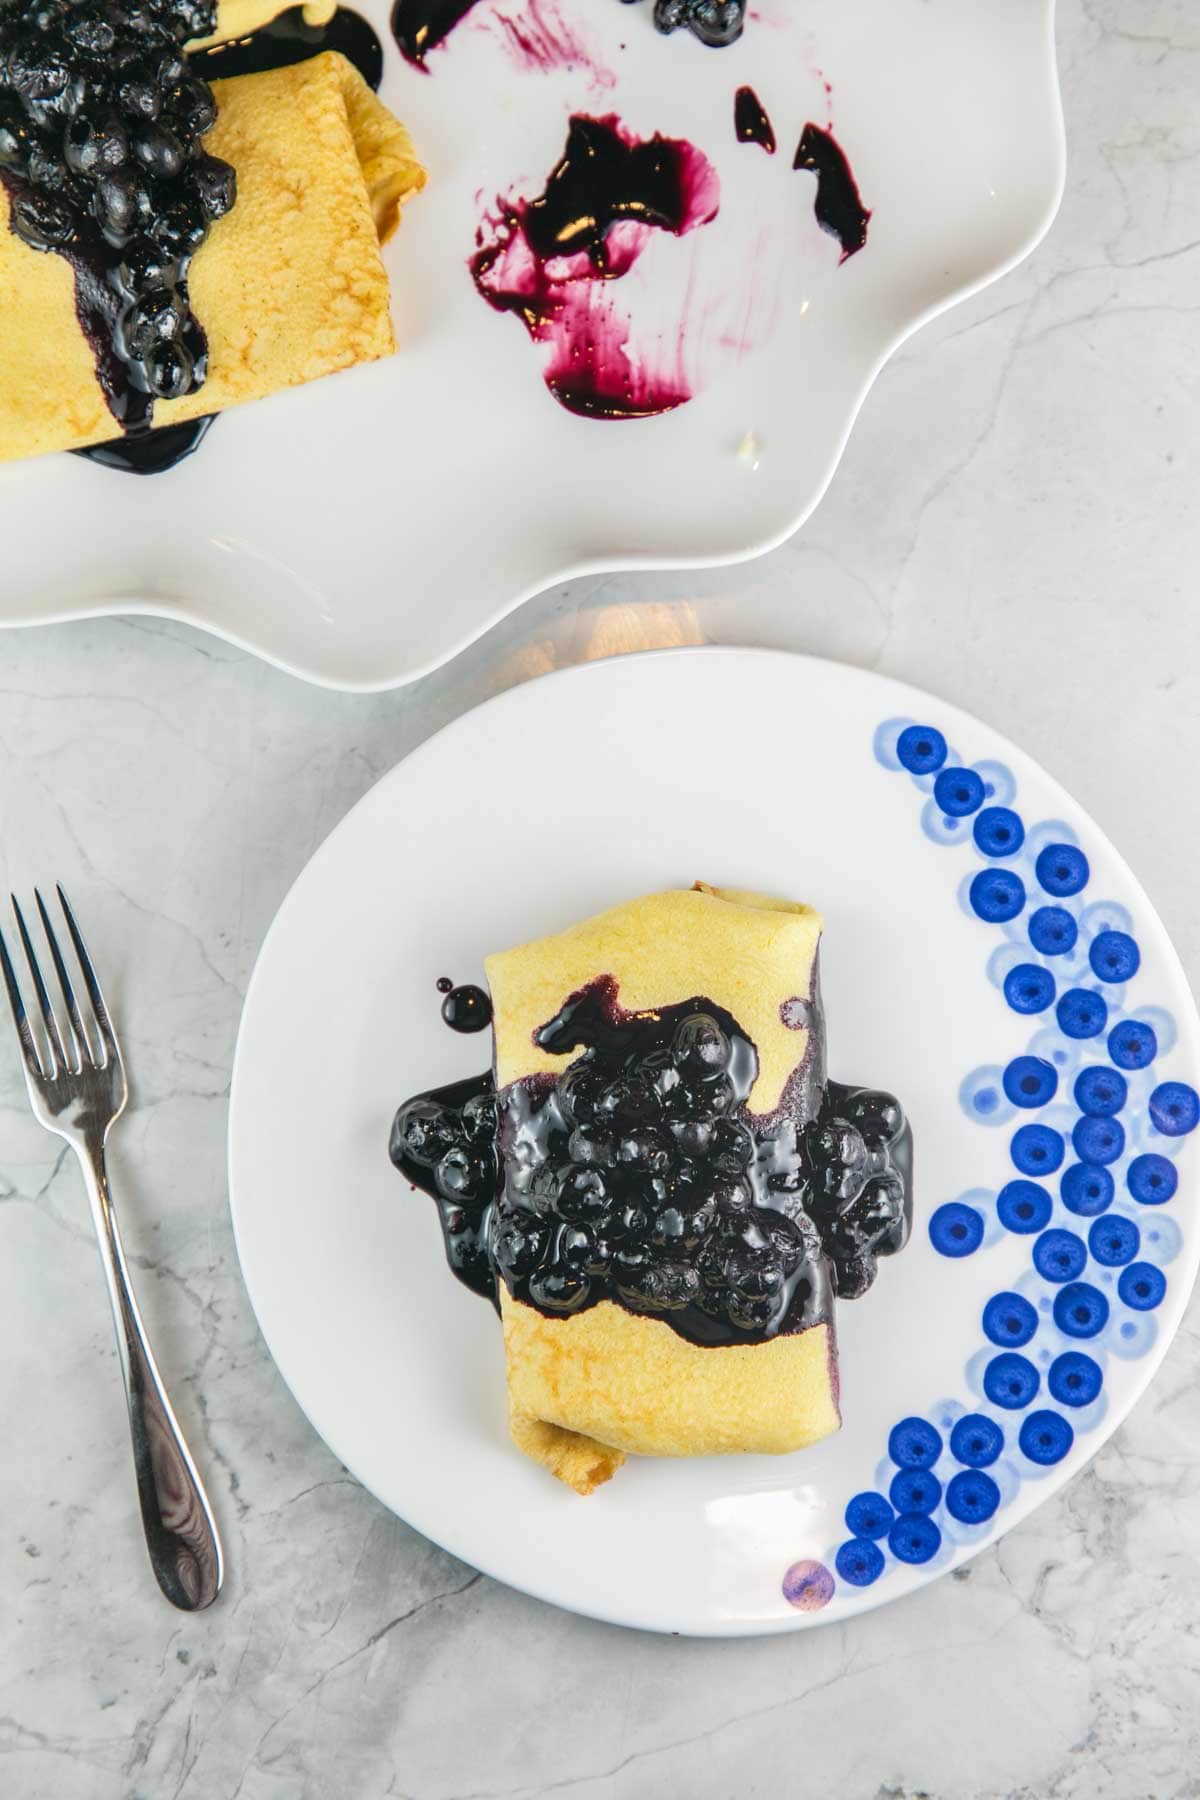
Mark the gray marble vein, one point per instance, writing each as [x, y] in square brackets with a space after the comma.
[1016, 525]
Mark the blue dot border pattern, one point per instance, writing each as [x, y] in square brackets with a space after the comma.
[1083, 1171]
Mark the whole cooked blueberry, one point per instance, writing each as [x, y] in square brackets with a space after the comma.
[662, 1286]
[159, 151]
[559, 1288]
[139, 94]
[169, 371]
[837, 1141]
[594, 1145]
[90, 145]
[121, 203]
[732, 1147]
[215, 183]
[14, 136]
[144, 264]
[853, 1275]
[479, 1118]
[628, 1221]
[693, 1137]
[41, 221]
[159, 314]
[193, 105]
[583, 1195]
[423, 1131]
[578, 1092]
[629, 1101]
[878, 1216]
[658, 1068]
[577, 1246]
[700, 1047]
[840, 1186]
[878, 1116]
[519, 1242]
[461, 1174]
[179, 227]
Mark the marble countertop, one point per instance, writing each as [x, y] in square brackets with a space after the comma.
[1016, 526]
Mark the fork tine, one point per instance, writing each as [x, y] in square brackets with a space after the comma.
[29, 1049]
[79, 1043]
[58, 1056]
[107, 1034]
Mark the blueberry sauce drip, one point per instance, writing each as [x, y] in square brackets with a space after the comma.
[715, 22]
[419, 26]
[467, 1008]
[638, 1176]
[444, 984]
[101, 128]
[608, 190]
[290, 39]
[150, 452]
[750, 121]
[838, 204]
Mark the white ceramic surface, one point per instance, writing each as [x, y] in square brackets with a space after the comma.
[744, 768]
[362, 530]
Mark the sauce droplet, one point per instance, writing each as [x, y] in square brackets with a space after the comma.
[750, 120]
[467, 1009]
[444, 984]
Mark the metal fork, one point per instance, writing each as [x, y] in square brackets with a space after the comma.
[77, 1088]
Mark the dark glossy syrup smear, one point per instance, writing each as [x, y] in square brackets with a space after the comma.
[419, 26]
[289, 39]
[838, 204]
[467, 1008]
[101, 155]
[606, 178]
[750, 121]
[637, 1176]
[150, 452]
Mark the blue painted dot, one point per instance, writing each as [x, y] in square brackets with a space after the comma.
[1142, 1286]
[1100, 1091]
[1152, 1179]
[1037, 1149]
[1029, 988]
[999, 831]
[997, 895]
[1114, 1240]
[955, 1229]
[1060, 1255]
[860, 1562]
[1098, 1140]
[1081, 1013]
[914, 1540]
[1132, 1044]
[1046, 1437]
[1086, 1189]
[1175, 1108]
[1074, 1379]
[1114, 956]
[1062, 870]
[869, 1515]
[1010, 1320]
[972, 1497]
[914, 1444]
[1023, 1206]
[915, 1491]
[958, 792]
[1029, 1081]
[976, 1441]
[921, 749]
[1080, 1310]
[1010, 1381]
[1052, 931]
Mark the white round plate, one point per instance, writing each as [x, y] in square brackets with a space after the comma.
[760, 770]
[363, 529]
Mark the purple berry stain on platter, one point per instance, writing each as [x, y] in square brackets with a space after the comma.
[552, 260]
[750, 121]
[808, 1586]
[838, 204]
[466, 1008]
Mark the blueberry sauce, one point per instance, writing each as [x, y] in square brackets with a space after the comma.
[101, 129]
[419, 26]
[715, 22]
[444, 984]
[638, 1176]
[838, 204]
[150, 452]
[551, 260]
[750, 121]
[467, 1008]
[290, 39]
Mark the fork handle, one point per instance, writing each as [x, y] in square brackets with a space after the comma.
[181, 1536]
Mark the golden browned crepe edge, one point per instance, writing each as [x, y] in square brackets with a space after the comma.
[745, 951]
[586, 1389]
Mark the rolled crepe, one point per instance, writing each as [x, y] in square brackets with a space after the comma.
[587, 1387]
[289, 285]
[238, 18]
